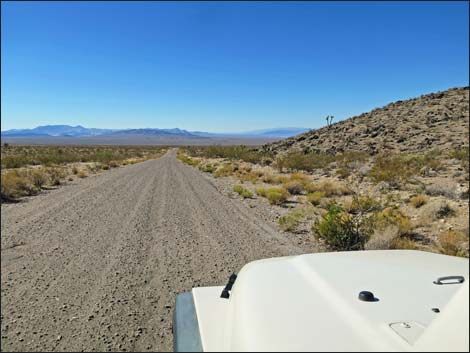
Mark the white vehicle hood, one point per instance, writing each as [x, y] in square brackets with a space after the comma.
[310, 303]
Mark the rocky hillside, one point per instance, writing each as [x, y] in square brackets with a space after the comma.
[432, 121]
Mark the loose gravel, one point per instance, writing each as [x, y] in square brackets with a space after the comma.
[96, 265]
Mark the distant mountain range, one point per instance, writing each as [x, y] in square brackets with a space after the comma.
[80, 131]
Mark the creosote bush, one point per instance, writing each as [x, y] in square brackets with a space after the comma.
[245, 193]
[275, 195]
[343, 231]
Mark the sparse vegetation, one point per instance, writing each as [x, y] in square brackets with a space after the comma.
[373, 201]
[398, 169]
[16, 156]
[244, 153]
[28, 169]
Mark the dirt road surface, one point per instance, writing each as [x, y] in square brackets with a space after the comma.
[96, 265]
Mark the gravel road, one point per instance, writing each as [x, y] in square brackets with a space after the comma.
[96, 265]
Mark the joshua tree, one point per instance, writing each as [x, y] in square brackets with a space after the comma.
[329, 119]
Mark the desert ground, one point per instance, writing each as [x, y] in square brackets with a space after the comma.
[96, 264]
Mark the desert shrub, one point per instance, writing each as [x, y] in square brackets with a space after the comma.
[186, 159]
[441, 189]
[315, 197]
[250, 176]
[445, 210]
[75, 170]
[418, 200]
[113, 164]
[397, 169]
[294, 187]
[240, 152]
[268, 178]
[280, 163]
[404, 243]
[15, 184]
[55, 175]
[281, 179]
[453, 243]
[225, 170]
[392, 216]
[462, 155]
[330, 188]
[382, 239]
[208, 168]
[38, 178]
[275, 195]
[82, 174]
[343, 173]
[105, 166]
[290, 221]
[341, 230]
[363, 204]
[245, 193]
[263, 192]
[300, 177]
[20, 156]
[295, 160]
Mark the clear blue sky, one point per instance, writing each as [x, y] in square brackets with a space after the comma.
[223, 66]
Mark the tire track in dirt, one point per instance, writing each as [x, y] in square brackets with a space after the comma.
[99, 263]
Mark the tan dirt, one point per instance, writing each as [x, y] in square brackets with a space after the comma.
[96, 265]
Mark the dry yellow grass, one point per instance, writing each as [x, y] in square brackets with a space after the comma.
[330, 188]
[418, 200]
[82, 174]
[453, 243]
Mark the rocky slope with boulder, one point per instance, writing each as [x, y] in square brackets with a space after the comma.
[432, 121]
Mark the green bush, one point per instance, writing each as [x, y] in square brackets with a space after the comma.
[245, 193]
[275, 196]
[208, 168]
[315, 197]
[392, 216]
[226, 170]
[343, 231]
[364, 204]
[291, 221]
